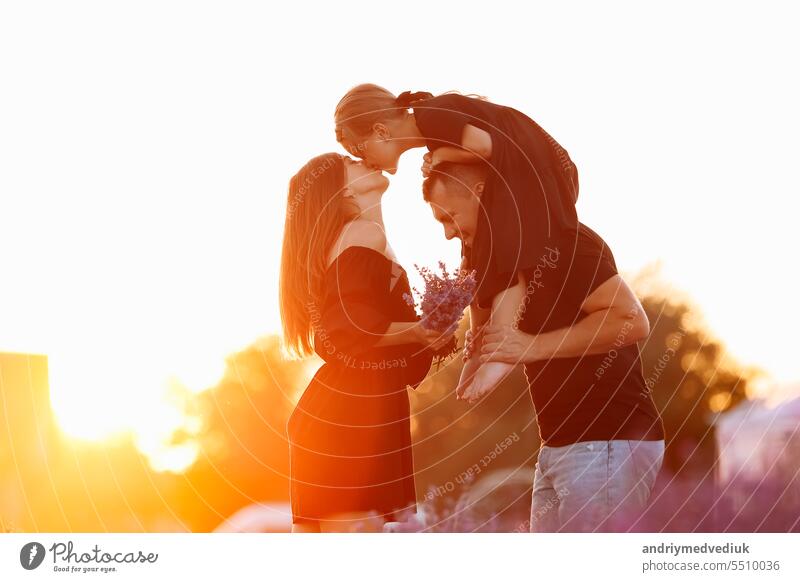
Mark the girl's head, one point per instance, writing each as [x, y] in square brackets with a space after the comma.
[327, 192]
[371, 123]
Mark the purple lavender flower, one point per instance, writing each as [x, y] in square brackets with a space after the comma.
[442, 303]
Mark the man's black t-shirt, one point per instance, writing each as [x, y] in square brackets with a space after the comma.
[594, 397]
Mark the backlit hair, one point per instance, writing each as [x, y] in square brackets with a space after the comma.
[315, 215]
[457, 177]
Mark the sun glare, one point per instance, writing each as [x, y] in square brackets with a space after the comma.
[98, 399]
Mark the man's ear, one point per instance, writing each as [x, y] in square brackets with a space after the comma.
[381, 130]
[478, 189]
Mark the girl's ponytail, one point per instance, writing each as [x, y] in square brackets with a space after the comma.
[407, 98]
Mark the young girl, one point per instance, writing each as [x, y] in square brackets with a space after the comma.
[341, 296]
[528, 203]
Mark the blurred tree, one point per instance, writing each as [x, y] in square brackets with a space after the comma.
[244, 457]
[689, 373]
[691, 378]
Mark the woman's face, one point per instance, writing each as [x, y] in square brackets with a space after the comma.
[360, 179]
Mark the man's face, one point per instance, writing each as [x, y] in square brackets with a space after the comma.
[456, 207]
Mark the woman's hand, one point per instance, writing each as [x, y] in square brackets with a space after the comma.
[504, 343]
[431, 338]
[486, 379]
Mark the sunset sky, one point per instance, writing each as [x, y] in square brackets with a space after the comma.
[143, 166]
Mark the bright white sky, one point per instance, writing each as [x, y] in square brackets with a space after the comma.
[145, 150]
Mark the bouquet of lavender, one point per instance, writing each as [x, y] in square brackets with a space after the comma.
[442, 303]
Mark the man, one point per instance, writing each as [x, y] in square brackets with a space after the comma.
[576, 330]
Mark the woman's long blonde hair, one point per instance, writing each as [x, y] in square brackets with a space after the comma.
[315, 215]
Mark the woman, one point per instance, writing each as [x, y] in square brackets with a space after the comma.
[528, 202]
[341, 295]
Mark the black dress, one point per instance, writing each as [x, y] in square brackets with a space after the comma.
[529, 198]
[350, 433]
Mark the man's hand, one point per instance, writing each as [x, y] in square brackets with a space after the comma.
[485, 380]
[505, 343]
[614, 318]
[431, 338]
